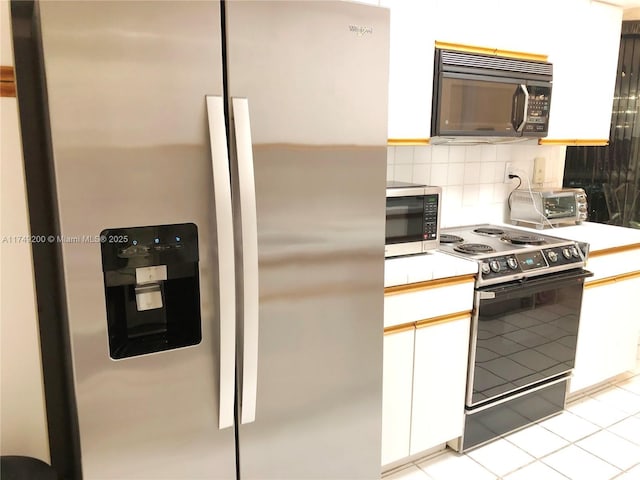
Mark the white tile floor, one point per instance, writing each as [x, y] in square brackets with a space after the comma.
[597, 437]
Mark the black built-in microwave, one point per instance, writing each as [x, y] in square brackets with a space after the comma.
[413, 219]
[478, 95]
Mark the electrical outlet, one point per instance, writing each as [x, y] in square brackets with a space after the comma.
[507, 172]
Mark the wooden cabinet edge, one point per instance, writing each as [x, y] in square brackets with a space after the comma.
[575, 142]
[407, 142]
[451, 317]
[613, 279]
[459, 47]
[440, 282]
[612, 250]
[427, 322]
[7, 82]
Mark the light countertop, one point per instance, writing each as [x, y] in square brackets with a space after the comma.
[428, 266]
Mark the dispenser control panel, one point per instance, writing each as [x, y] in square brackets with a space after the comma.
[152, 292]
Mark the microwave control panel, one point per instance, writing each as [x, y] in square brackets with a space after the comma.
[430, 231]
[538, 110]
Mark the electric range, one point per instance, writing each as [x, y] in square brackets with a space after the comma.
[524, 326]
[507, 254]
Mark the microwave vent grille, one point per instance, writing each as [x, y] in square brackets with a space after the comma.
[495, 63]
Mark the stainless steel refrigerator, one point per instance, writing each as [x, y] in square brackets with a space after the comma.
[220, 191]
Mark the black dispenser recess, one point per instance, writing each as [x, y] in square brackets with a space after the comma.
[151, 283]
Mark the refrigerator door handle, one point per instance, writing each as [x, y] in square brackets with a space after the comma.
[248, 220]
[226, 257]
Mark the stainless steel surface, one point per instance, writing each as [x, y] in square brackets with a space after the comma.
[548, 206]
[126, 83]
[249, 251]
[320, 168]
[503, 249]
[407, 248]
[221, 180]
[402, 189]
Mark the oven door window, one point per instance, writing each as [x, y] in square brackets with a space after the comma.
[478, 107]
[405, 219]
[525, 334]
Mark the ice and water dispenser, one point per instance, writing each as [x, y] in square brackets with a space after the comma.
[152, 288]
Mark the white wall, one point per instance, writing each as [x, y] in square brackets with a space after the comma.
[472, 176]
[23, 429]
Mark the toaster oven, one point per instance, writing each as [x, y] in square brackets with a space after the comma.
[543, 207]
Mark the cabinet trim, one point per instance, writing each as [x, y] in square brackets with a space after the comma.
[7, 82]
[404, 327]
[613, 279]
[575, 142]
[440, 282]
[609, 251]
[408, 141]
[491, 51]
[451, 317]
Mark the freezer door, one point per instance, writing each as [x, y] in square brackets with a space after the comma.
[126, 85]
[314, 76]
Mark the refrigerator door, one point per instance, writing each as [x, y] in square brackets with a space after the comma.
[315, 77]
[130, 141]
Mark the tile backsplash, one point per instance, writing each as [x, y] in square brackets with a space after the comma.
[472, 177]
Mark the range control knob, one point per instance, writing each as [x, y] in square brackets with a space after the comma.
[574, 252]
[566, 252]
[553, 256]
[495, 266]
[485, 268]
[512, 262]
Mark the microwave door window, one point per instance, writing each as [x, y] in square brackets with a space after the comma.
[404, 220]
[476, 107]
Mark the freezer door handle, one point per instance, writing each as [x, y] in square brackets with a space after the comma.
[249, 278]
[226, 257]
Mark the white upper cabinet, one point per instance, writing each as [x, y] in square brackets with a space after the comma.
[584, 56]
[581, 38]
[410, 67]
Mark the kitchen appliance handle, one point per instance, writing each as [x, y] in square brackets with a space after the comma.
[248, 221]
[226, 257]
[525, 110]
[555, 279]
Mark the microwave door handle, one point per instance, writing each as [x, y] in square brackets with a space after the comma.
[525, 110]
[250, 286]
[226, 258]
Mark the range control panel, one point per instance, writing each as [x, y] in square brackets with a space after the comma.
[522, 264]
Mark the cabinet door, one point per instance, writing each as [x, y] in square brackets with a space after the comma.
[439, 383]
[608, 334]
[396, 394]
[584, 58]
[410, 68]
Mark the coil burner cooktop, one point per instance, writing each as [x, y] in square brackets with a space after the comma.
[505, 254]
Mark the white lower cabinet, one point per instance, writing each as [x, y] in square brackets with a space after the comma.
[439, 381]
[396, 394]
[608, 334]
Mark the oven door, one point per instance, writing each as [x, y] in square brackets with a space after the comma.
[523, 333]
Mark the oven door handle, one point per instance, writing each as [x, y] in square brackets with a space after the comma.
[556, 279]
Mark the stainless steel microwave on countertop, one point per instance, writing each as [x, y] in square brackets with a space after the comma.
[413, 218]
